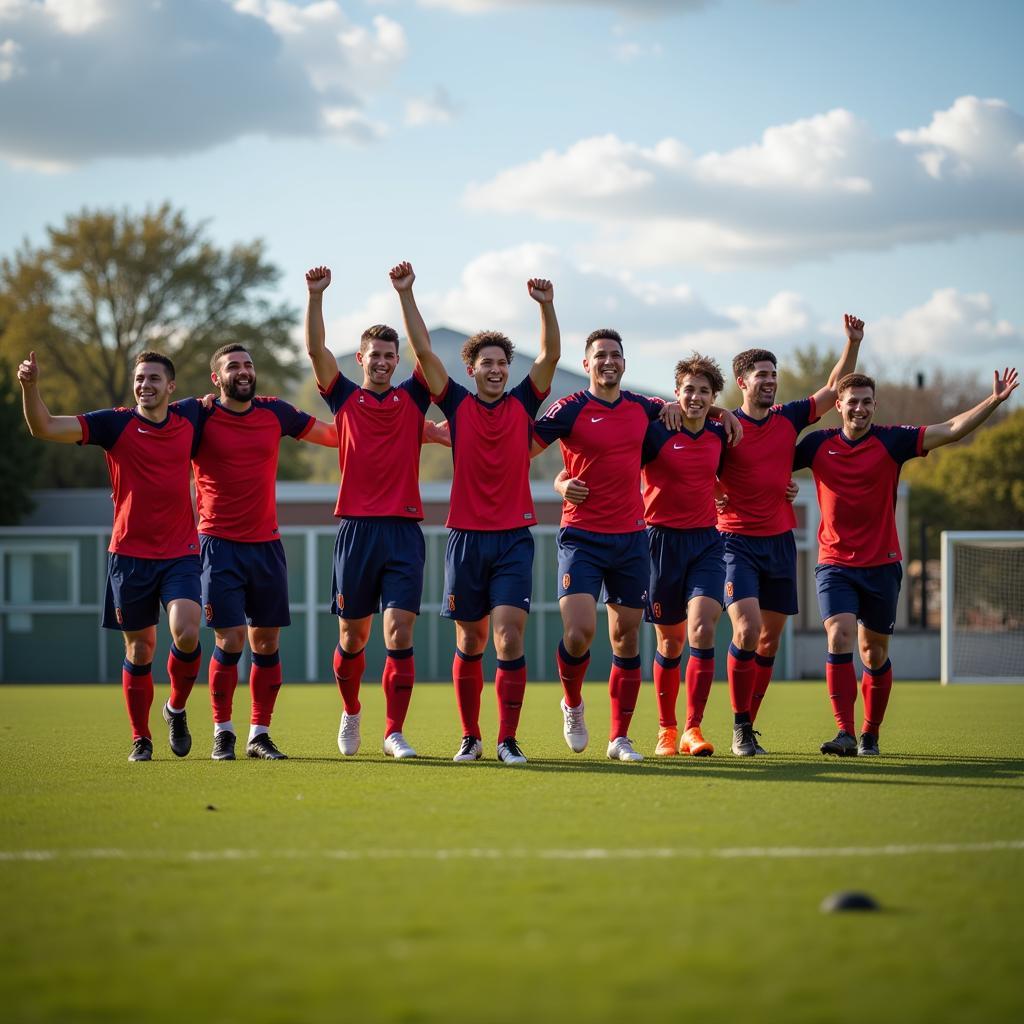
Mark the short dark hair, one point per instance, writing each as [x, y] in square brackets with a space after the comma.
[855, 380]
[378, 332]
[700, 366]
[235, 346]
[603, 332]
[744, 362]
[486, 339]
[156, 357]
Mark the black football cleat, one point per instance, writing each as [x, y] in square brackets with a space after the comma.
[868, 745]
[142, 750]
[262, 746]
[223, 746]
[844, 745]
[743, 742]
[178, 735]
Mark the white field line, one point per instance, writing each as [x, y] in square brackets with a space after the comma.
[474, 853]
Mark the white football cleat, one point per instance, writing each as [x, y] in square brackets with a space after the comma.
[349, 736]
[395, 746]
[621, 749]
[471, 750]
[509, 752]
[575, 728]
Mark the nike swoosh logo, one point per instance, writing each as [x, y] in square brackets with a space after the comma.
[677, 447]
[596, 419]
[832, 452]
[141, 431]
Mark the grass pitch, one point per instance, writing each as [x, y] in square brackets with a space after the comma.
[318, 889]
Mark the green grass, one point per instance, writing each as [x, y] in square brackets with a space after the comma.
[356, 894]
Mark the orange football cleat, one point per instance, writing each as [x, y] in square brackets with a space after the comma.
[694, 743]
[667, 738]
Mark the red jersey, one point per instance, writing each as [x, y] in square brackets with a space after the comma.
[151, 477]
[601, 444]
[679, 475]
[379, 438]
[236, 468]
[756, 472]
[856, 483]
[491, 454]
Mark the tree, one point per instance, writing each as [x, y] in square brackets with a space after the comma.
[110, 285]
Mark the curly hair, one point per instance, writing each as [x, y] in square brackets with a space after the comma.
[378, 332]
[744, 362]
[700, 366]
[855, 380]
[603, 332]
[486, 339]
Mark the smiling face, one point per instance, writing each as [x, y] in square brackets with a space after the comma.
[152, 387]
[695, 396]
[490, 371]
[235, 376]
[856, 406]
[605, 363]
[759, 385]
[379, 360]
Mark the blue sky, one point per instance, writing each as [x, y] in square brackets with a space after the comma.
[708, 175]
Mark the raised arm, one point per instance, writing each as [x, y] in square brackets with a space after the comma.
[63, 429]
[542, 292]
[325, 366]
[825, 397]
[962, 424]
[402, 277]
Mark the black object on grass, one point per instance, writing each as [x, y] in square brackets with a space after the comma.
[847, 901]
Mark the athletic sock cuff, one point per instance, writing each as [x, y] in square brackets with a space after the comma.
[137, 670]
[704, 653]
[468, 657]
[764, 659]
[349, 655]
[740, 655]
[266, 660]
[511, 666]
[226, 657]
[633, 662]
[839, 659]
[571, 659]
[660, 659]
[887, 667]
[176, 652]
[405, 652]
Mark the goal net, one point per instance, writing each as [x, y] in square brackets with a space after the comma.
[982, 607]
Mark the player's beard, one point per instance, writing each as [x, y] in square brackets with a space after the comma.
[240, 393]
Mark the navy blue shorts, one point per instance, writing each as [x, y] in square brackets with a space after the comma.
[486, 568]
[136, 587]
[869, 593]
[762, 567]
[684, 564]
[614, 565]
[243, 583]
[377, 562]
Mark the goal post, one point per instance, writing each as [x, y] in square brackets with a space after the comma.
[982, 607]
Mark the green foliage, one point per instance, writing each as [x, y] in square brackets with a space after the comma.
[18, 453]
[109, 285]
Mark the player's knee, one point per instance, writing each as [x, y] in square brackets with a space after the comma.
[264, 644]
[508, 642]
[767, 644]
[186, 637]
[625, 641]
[578, 640]
[873, 655]
[701, 635]
[671, 647]
[231, 640]
[398, 636]
[840, 638]
[746, 634]
[139, 652]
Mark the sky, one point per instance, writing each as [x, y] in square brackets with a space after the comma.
[705, 175]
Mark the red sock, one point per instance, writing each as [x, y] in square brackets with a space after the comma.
[348, 674]
[700, 671]
[510, 686]
[623, 690]
[468, 677]
[183, 669]
[842, 689]
[397, 681]
[572, 670]
[223, 680]
[264, 686]
[764, 664]
[875, 687]
[741, 678]
[137, 683]
[666, 688]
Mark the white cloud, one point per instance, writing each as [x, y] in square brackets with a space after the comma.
[437, 108]
[816, 186]
[81, 79]
[631, 7]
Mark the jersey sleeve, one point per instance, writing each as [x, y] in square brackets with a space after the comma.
[807, 448]
[416, 388]
[191, 409]
[716, 428]
[453, 396]
[652, 406]
[104, 426]
[656, 435]
[294, 422]
[557, 422]
[526, 393]
[338, 392]
[801, 413]
[903, 443]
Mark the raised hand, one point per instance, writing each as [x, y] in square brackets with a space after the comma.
[318, 279]
[854, 328]
[1002, 387]
[28, 370]
[540, 289]
[402, 276]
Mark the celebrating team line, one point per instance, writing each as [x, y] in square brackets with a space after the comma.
[671, 513]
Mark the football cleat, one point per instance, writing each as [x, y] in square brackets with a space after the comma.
[758, 749]
[693, 742]
[621, 749]
[509, 752]
[349, 736]
[142, 749]
[574, 728]
[263, 747]
[868, 745]
[668, 736]
[471, 750]
[743, 743]
[223, 746]
[844, 745]
[395, 746]
[178, 735]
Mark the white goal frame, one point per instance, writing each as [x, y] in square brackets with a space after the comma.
[949, 538]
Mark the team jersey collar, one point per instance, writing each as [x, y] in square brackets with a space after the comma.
[379, 395]
[741, 415]
[152, 423]
[491, 405]
[850, 443]
[231, 412]
[608, 405]
[691, 436]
